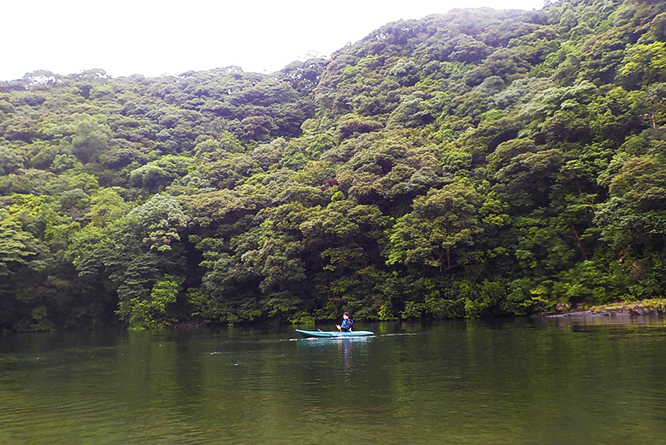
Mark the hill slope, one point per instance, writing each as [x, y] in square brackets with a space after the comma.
[470, 164]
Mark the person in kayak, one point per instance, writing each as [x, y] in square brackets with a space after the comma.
[347, 322]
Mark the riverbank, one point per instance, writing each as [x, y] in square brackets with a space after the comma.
[654, 306]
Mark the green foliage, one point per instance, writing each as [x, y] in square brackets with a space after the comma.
[90, 138]
[16, 246]
[156, 175]
[477, 163]
[643, 65]
[440, 224]
[152, 312]
[159, 221]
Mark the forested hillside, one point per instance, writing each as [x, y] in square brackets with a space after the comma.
[477, 163]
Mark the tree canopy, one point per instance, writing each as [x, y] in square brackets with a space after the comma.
[477, 163]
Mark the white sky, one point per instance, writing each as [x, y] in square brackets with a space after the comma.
[155, 37]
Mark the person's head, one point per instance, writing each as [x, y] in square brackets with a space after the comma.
[345, 315]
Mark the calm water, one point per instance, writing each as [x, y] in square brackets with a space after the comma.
[595, 381]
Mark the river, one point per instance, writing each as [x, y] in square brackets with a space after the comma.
[562, 381]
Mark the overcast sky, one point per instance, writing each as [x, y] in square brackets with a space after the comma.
[152, 37]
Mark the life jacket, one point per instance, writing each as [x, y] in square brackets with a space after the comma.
[350, 322]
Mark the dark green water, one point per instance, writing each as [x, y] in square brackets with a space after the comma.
[595, 381]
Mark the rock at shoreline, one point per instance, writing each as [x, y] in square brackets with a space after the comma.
[631, 309]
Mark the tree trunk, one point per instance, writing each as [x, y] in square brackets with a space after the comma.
[579, 246]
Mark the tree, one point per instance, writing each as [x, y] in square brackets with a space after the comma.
[644, 64]
[90, 139]
[158, 222]
[106, 206]
[153, 312]
[634, 219]
[440, 225]
[17, 247]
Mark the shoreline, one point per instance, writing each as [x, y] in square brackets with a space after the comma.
[651, 307]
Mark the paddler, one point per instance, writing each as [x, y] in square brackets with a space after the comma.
[346, 325]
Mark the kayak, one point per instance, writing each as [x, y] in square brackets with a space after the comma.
[333, 334]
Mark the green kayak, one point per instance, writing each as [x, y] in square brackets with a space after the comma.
[333, 334]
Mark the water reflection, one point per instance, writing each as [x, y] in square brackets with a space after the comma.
[465, 381]
[344, 350]
[581, 322]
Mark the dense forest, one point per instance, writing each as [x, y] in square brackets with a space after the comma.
[477, 163]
